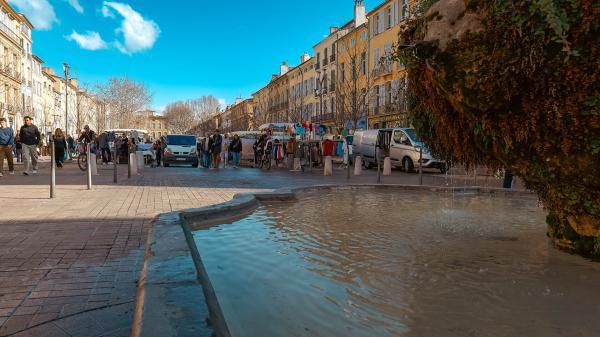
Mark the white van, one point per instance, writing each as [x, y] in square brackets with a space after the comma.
[404, 149]
[180, 150]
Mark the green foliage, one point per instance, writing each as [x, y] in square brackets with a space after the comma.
[522, 94]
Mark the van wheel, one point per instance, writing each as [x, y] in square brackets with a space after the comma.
[407, 165]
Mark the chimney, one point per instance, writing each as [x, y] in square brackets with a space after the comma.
[305, 57]
[73, 82]
[360, 15]
[283, 68]
[332, 29]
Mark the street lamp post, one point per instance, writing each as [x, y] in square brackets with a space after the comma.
[66, 70]
[319, 92]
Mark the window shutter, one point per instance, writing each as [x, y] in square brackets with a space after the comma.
[395, 13]
[381, 27]
[376, 59]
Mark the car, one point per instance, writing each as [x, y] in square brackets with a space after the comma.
[180, 150]
[404, 153]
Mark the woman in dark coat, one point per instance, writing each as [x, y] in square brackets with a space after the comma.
[60, 146]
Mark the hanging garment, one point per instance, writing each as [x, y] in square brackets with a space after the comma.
[328, 147]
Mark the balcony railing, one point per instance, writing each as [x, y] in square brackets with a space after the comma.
[6, 30]
[332, 58]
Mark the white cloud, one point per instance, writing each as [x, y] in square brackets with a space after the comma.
[76, 5]
[222, 102]
[39, 12]
[138, 33]
[89, 40]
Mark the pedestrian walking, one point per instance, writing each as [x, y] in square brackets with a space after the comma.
[60, 146]
[103, 143]
[236, 148]
[216, 148]
[7, 142]
[159, 152]
[30, 138]
[18, 148]
[71, 144]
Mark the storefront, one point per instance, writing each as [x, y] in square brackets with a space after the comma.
[385, 121]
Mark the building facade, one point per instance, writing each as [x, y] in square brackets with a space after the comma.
[11, 74]
[388, 92]
[302, 85]
[239, 116]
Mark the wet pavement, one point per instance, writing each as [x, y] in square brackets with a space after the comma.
[69, 266]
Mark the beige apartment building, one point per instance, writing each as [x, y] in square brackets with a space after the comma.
[302, 85]
[11, 71]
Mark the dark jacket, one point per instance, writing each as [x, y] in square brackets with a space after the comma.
[217, 144]
[236, 145]
[88, 137]
[60, 143]
[30, 135]
[7, 136]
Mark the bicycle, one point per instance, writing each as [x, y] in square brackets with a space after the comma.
[82, 157]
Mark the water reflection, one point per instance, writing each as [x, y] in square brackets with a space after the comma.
[354, 263]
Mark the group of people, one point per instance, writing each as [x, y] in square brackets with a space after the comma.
[216, 149]
[29, 138]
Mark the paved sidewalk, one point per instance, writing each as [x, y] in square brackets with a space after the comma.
[69, 266]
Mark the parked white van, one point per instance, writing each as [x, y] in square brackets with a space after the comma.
[181, 149]
[404, 149]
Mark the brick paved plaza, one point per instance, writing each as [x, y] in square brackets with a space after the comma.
[69, 266]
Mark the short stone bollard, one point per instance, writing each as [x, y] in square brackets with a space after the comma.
[357, 165]
[133, 163]
[297, 166]
[139, 156]
[328, 167]
[93, 165]
[387, 166]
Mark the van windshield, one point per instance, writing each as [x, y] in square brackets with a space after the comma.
[181, 140]
[411, 133]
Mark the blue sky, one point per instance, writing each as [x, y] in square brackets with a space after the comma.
[181, 48]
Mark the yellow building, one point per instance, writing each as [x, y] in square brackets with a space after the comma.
[241, 115]
[302, 100]
[354, 79]
[11, 67]
[387, 106]
[271, 103]
[156, 125]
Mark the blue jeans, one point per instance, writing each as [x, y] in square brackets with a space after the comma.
[236, 159]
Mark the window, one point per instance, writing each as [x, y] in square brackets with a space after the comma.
[404, 9]
[343, 47]
[342, 72]
[325, 57]
[376, 58]
[353, 69]
[388, 93]
[363, 35]
[388, 18]
[363, 63]
[352, 42]
[153, 125]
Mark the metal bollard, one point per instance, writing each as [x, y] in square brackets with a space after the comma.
[128, 166]
[89, 167]
[114, 160]
[378, 167]
[421, 166]
[52, 170]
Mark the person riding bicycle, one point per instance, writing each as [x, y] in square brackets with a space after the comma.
[87, 136]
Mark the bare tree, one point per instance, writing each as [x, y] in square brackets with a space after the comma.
[124, 98]
[203, 107]
[180, 117]
[353, 87]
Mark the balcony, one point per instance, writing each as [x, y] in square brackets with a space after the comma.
[12, 35]
[332, 58]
